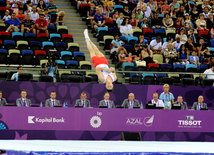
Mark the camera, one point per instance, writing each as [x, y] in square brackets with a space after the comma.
[52, 56]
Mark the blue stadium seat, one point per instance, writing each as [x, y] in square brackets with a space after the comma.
[78, 53]
[65, 53]
[26, 52]
[60, 62]
[160, 15]
[51, 26]
[35, 43]
[16, 34]
[127, 64]
[191, 2]
[147, 74]
[159, 31]
[29, 34]
[60, 44]
[212, 42]
[55, 35]
[164, 40]
[123, 37]
[118, 7]
[101, 29]
[189, 66]
[153, 38]
[177, 65]
[3, 51]
[47, 43]
[132, 38]
[211, 48]
[9, 42]
[160, 74]
[71, 62]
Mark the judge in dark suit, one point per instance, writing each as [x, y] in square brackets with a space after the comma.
[130, 102]
[181, 102]
[23, 101]
[2, 100]
[106, 101]
[52, 101]
[83, 101]
[200, 104]
[195, 37]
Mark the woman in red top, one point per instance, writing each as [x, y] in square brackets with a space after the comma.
[134, 22]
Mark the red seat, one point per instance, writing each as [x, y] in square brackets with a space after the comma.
[83, 5]
[40, 52]
[0, 42]
[66, 36]
[147, 30]
[109, 21]
[5, 33]
[203, 32]
[153, 65]
[3, 8]
[41, 34]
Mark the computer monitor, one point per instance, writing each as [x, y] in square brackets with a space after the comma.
[176, 107]
[57, 106]
[120, 107]
[103, 106]
[204, 109]
[34, 105]
[159, 107]
[9, 105]
[150, 106]
[78, 106]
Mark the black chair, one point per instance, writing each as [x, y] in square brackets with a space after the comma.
[158, 79]
[172, 35]
[9, 46]
[25, 77]
[190, 76]
[18, 38]
[14, 58]
[35, 47]
[161, 34]
[62, 31]
[79, 58]
[142, 68]
[129, 68]
[75, 79]
[30, 38]
[149, 34]
[42, 39]
[47, 48]
[23, 47]
[167, 80]
[132, 42]
[61, 66]
[66, 57]
[27, 59]
[45, 78]
[154, 68]
[176, 80]
[9, 74]
[192, 70]
[101, 34]
[188, 82]
[39, 57]
[72, 66]
[61, 48]
[166, 69]
[107, 44]
[68, 40]
[55, 39]
[208, 82]
[135, 79]
[179, 69]
[94, 78]
[65, 77]
[149, 80]
[87, 79]
[3, 76]
[3, 58]
[74, 48]
[137, 34]
[85, 67]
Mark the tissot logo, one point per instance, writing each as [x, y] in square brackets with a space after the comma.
[148, 121]
[134, 121]
[33, 119]
[190, 122]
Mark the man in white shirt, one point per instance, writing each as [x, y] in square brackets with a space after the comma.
[106, 101]
[209, 71]
[52, 101]
[156, 45]
[34, 15]
[23, 101]
[155, 100]
[177, 44]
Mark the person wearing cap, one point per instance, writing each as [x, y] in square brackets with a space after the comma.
[179, 23]
[210, 21]
[144, 24]
[182, 36]
[187, 22]
[6, 16]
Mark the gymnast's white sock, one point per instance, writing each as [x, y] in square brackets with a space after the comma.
[86, 35]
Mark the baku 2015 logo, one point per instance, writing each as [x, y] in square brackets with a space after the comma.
[3, 126]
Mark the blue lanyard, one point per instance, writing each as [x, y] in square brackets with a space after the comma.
[166, 97]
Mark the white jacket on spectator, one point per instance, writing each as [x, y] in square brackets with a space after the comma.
[125, 28]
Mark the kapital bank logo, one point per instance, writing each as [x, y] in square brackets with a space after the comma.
[33, 119]
[147, 121]
[96, 121]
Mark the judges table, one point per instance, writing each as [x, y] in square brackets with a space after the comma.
[77, 123]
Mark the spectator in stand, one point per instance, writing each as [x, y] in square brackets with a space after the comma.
[16, 9]
[27, 25]
[209, 71]
[189, 46]
[210, 21]
[134, 22]
[123, 2]
[133, 3]
[165, 45]
[170, 54]
[156, 23]
[153, 5]
[110, 4]
[119, 20]
[186, 5]
[144, 24]
[15, 76]
[195, 37]
[105, 11]
[41, 5]
[6, 16]
[206, 4]
[91, 11]
[34, 15]
[203, 48]
[156, 45]
[199, 104]
[127, 13]
[183, 56]
[98, 20]
[98, 3]
[20, 16]
[41, 25]
[194, 15]
[28, 7]
[187, 22]
[177, 44]
[47, 16]
[194, 59]
[126, 28]
[13, 24]
[181, 12]
[147, 55]
[179, 23]
[141, 5]
[116, 43]
[135, 54]
[60, 18]
[165, 8]
[206, 13]
[182, 36]
[139, 15]
[122, 56]
[212, 32]
[167, 97]
[176, 5]
[172, 12]
[201, 23]
[168, 22]
[141, 41]
[115, 15]
[79, 2]
[52, 8]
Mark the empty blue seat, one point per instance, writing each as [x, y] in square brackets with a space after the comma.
[123, 37]
[132, 38]
[165, 65]
[35, 43]
[65, 53]
[55, 35]
[27, 52]
[47, 43]
[147, 74]
[212, 42]
[211, 48]
[29, 34]
[164, 40]
[3, 51]
[9, 42]
[161, 74]
[71, 62]
[159, 31]
[127, 64]
[177, 65]
[118, 7]
[51, 27]
[190, 66]
[160, 15]
[78, 53]
[101, 29]
[16, 34]
[60, 44]
[113, 29]
[60, 62]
